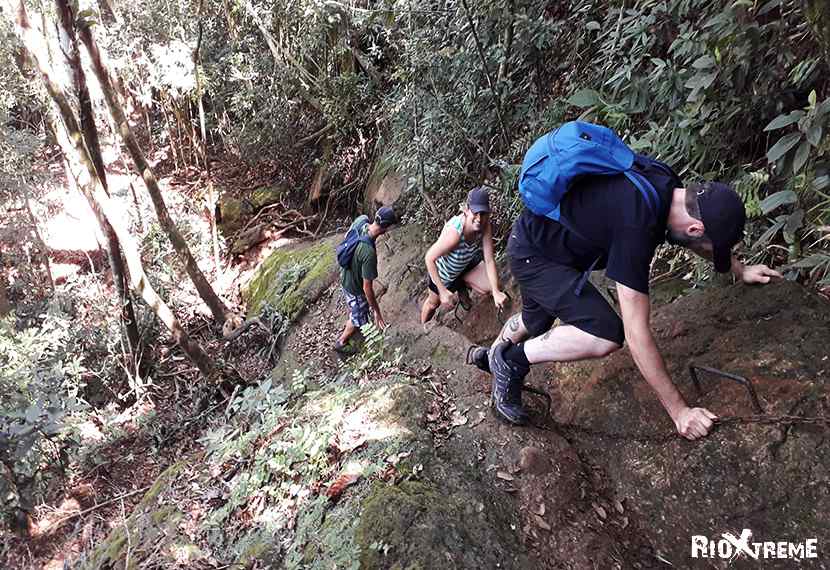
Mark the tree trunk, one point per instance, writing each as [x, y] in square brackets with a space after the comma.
[93, 145]
[490, 83]
[95, 192]
[217, 307]
[5, 306]
[507, 41]
[211, 198]
[39, 239]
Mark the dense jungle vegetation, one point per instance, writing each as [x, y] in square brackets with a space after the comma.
[208, 101]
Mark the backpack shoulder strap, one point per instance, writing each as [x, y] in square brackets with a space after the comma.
[366, 239]
[646, 189]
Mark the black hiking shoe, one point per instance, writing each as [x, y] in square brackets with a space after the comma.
[477, 356]
[464, 299]
[344, 351]
[507, 386]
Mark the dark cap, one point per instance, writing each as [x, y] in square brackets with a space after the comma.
[723, 216]
[478, 201]
[386, 217]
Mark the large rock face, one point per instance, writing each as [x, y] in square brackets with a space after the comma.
[771, 478]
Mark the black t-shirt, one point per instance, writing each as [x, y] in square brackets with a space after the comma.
[611, 226]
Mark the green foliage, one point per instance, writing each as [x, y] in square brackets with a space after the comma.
[372, 355]
[40, 384]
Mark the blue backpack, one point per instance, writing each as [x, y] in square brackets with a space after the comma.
[345, 251]
[556, 160]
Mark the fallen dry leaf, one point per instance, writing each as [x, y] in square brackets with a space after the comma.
[624, 522]
[395, 458]
[339, 484]
[458, 419]
[600, 511]
[540, 510]
[540, 522]
[504, 475]
[479, 419]
[619, 506]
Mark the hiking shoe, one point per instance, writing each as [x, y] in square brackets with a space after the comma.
[464, 299]
[477, 356]
[507, 386]
[343, 350]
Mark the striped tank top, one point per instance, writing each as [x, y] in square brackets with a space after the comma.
[451, 265]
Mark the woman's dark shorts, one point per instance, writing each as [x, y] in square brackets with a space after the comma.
[458, 282]
[549, 292]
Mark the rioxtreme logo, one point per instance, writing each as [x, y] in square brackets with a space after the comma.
[731, 547]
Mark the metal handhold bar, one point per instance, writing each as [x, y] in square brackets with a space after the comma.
[735, 378]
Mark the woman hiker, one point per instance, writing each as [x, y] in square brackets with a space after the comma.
[463, 257]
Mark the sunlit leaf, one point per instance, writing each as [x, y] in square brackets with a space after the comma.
[813, 261]
[773, 201]
[794, 223]
[821, 182]
[783, 146]
[784, 120]
[801, 156]
[814, 134]
[704, 62]
[584, 98]
[823, 108]
[769, 6]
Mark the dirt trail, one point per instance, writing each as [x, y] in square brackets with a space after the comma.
[621, 490]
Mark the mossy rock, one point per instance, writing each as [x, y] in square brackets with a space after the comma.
[149, 527]
[233, 209]
[291, 279]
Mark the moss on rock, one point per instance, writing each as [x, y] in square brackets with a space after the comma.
[149, 526]
[233, 209]
[418, 525]
[290, 279]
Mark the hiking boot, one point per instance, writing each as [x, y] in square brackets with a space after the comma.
[507, 386]
[477, 356]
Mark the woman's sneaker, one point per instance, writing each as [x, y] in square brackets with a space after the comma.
[477, 356]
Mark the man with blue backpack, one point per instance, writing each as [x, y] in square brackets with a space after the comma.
[591, 203]
[358, 261]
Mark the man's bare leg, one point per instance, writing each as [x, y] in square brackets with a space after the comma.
[513, 330]
[347, 333]
[566, 343]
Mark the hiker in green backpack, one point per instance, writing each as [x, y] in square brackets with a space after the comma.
[358, 262]
[462, 257]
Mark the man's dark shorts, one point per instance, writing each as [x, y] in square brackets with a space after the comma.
[458, 282]
[549, 292]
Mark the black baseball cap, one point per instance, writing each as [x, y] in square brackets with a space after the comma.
[723, 215]
[386, 217]
[478, 201]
